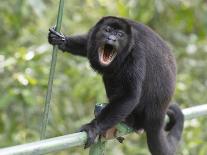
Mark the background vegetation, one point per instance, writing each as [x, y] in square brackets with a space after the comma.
[25, 60]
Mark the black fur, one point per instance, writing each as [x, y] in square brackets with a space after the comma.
[139, 82]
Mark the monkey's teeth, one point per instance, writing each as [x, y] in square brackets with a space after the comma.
[105, 61]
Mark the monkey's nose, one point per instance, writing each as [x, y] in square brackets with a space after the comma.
[112, 38]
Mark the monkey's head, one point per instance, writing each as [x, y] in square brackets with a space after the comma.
[110, 41]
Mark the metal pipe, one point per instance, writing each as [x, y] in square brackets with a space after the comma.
[47, 145]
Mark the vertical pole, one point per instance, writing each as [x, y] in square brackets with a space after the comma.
[97, 148]
[51, 75]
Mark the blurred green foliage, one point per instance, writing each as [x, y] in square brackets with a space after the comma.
[25, 60]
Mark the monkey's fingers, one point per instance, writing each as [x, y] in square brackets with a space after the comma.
[52, 30]
[91, 134]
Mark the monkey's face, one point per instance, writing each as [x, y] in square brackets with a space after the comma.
[111, 41]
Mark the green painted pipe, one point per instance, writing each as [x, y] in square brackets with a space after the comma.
[97, 148]
[78, 139]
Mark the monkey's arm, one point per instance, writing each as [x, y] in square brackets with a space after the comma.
[72, 44]
[115, 112]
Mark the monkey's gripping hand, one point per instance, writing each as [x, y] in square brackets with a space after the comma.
[92, 132]
[56, 38]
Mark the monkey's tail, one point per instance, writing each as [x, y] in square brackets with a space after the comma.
[175, 126]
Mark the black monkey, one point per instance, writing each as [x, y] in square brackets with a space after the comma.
[139, 74]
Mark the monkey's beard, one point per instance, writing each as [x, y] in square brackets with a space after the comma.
[107, 53]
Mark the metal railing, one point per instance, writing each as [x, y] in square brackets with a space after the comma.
[78, 139]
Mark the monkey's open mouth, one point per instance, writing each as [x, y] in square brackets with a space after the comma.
[107, 54]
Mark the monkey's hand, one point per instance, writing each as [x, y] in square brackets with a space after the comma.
[56, 38]
[92, 133]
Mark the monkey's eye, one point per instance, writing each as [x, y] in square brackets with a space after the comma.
[120, 34]
[107, 29]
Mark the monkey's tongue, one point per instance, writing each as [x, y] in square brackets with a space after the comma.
[107, 54]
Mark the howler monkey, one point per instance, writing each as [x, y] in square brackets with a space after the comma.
[139, 74]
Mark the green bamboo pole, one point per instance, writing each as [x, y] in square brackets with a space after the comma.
[78, 139]
[51, 74]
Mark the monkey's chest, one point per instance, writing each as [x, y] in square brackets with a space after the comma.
[114, 89]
